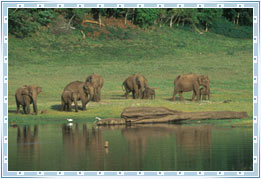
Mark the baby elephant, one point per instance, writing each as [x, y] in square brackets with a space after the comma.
[25, 96]
[148, 93]
[204, 92]
[67, 98]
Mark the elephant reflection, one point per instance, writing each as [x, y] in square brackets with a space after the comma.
[27, 140]
[80, 142]
[186, 140]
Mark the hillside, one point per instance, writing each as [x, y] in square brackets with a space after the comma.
[160, 54]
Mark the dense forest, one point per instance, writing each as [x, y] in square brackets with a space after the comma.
[236, 22]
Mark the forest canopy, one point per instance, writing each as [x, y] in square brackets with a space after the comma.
[233, 22]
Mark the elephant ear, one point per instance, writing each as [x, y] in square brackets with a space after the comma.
[200, 80]
[86, 87]
[30, 89]
[25, 91]
[38, 89]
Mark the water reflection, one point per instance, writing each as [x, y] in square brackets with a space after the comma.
[140, 147]
[27, 141]
[79, 141]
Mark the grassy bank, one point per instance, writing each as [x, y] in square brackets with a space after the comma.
[53, 61]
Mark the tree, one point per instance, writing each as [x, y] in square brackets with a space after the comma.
[162, 13]
[145, 17]
[208, 16]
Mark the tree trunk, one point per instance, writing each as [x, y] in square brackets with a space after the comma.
[206, 27]
[83, 35]
[178, 21]
[133, 16]
[100, 21]
[238, 17]
[171, 21]
[126, 17]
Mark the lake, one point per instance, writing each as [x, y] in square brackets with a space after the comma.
[150, 147]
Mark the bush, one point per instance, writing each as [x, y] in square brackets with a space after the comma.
[224, 27]
[119, 33]
[24, 22]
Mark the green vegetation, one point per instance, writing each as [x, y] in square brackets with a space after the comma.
[52, 61]
[25, 22]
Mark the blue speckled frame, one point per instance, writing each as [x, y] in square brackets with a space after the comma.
[174, 4]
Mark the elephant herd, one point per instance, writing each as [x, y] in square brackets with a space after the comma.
[90, 90]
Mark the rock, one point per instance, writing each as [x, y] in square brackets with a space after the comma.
[143, 115]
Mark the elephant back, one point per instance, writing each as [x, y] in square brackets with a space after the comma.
[73, 86]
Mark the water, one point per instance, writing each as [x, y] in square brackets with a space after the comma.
[156, 147]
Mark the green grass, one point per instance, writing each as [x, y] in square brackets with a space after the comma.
[53, 61]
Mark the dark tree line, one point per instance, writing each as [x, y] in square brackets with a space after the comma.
[23, 22]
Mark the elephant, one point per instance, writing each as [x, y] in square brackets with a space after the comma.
[204, 91]
[148, 93]
[97, 82]
[67, 98]
[83, 91]
[25, 96]
[130, 85]
[135, 84]
[189, 82]
[142, 83]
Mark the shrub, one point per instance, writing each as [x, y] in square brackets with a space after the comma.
[224, 27]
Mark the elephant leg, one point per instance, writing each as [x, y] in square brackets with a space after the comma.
[83, 105]
[98, 94]
[69, 106]
[174, 94]
[24, 109]
[76, 105]
[84, 102]
[136, 90]
[208, 96]
[193, 95]
[28, 109]
[204, 97]
[27, 106]
[180, 96]
[17, 107]
[95, 96]
[133, 94]
[197, 95]
[63, 106]
[127, 93]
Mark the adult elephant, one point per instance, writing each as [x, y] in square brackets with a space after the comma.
[130, 85]
[25, 96]
[142, 83]
[189, 82]
[97, 82]
[135, 84]
[82, 91]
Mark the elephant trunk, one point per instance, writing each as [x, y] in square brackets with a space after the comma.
[35, 105]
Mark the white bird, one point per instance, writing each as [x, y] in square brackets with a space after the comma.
[98, 118]
[70, 124]
[69, 120]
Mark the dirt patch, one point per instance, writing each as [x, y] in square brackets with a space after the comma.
[92, 28]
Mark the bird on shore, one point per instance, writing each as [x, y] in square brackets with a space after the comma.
[69, 120]
[98, 118]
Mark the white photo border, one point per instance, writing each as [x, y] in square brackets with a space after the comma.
[81, 4]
